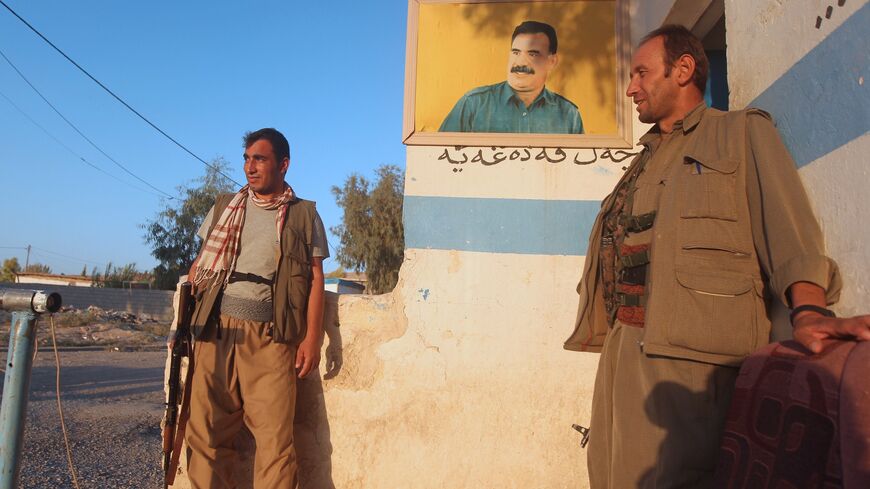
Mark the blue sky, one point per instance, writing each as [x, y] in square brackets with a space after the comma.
[329, 75]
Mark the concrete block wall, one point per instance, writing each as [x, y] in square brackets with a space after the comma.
[155, 304]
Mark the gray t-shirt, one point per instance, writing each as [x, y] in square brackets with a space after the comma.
[258, 252]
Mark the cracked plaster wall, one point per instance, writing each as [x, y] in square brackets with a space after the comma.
[457, 378]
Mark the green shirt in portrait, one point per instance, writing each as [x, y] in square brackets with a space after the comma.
[496, 108]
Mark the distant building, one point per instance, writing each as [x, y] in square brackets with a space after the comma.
[52, 279]
[343, 286]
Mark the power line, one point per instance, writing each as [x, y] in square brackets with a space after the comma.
[58, 141]
[42, 250]
[119, 99]
[76, 129]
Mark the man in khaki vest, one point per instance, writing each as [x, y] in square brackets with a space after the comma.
[257, 322]
[709, 225]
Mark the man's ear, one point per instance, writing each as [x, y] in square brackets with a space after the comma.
[684, 70]
[285, 164]
[554, 60]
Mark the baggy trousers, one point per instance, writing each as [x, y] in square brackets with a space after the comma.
[241, 377]
[656, 421]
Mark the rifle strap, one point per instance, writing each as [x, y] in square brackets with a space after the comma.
[181, 424]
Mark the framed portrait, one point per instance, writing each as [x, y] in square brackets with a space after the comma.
[517, 73]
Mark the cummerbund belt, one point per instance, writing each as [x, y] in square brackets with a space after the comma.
[248, 309]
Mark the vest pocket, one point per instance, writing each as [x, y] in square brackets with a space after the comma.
[708, 189]
[715, 312]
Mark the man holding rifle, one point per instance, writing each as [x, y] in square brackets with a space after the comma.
[257, 321]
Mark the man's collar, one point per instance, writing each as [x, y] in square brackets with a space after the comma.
[507, 93]
[692, 118]
[686, 124]
[650, 136]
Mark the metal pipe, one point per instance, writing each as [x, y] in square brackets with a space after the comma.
[25, 306]
[29, 300]
[16, 386]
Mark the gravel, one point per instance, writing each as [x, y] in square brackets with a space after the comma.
[113, 404]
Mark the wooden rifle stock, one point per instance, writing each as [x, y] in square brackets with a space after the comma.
[175, 419]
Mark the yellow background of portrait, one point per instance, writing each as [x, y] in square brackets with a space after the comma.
[464, 46]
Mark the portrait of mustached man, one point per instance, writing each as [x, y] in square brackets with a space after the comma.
[522, 103]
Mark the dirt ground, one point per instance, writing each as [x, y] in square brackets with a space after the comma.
[112, 397]
[94, 327]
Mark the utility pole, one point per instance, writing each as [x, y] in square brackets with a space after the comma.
[27, 260]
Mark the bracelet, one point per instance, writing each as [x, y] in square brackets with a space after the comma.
[810, 307]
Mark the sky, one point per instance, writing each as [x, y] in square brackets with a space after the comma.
[329, 75]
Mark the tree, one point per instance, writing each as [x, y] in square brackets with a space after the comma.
[120, 277]
[172, 233]
[38, 268]
[371, 234]
[9, 270]
[337, 273]
[84, 271]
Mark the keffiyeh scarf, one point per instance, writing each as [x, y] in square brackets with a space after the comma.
[221, 248]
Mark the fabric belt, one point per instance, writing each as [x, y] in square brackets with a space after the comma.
[248, 309]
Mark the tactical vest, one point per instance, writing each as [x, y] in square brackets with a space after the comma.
[292, 282]
[623, 267]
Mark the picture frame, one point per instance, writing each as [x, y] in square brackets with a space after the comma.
[459, 49]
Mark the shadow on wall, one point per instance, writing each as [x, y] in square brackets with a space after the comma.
[574, 49]
[688, 456]
[313, 442]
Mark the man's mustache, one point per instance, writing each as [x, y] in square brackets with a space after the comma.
[523, 69]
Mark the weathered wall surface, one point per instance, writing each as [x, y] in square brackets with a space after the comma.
[808, 64]
[458, 378]
[156, 304]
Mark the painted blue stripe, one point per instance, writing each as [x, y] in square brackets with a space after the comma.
[818, 103]
[539, 227]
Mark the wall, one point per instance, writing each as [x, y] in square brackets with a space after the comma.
[156, 304]
[811, 73]
[457, 378]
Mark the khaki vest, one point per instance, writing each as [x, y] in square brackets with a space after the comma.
[292, 282]
[706, 296]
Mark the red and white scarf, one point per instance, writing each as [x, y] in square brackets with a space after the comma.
[221, 248]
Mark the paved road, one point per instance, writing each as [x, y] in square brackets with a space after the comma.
[113, 403]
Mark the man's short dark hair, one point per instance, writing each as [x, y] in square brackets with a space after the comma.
[280, 146]
[679, 41]
[535, 27]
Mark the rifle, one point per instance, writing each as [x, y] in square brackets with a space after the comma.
[175, 421]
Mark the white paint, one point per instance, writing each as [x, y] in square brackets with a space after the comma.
[765, 38]
[477, 391]
[510, 179]
[837, 185]
[647, 15]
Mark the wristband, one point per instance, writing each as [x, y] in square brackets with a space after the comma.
[810, 307]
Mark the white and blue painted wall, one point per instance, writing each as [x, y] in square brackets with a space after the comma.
[809, 66]
[458, 378]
